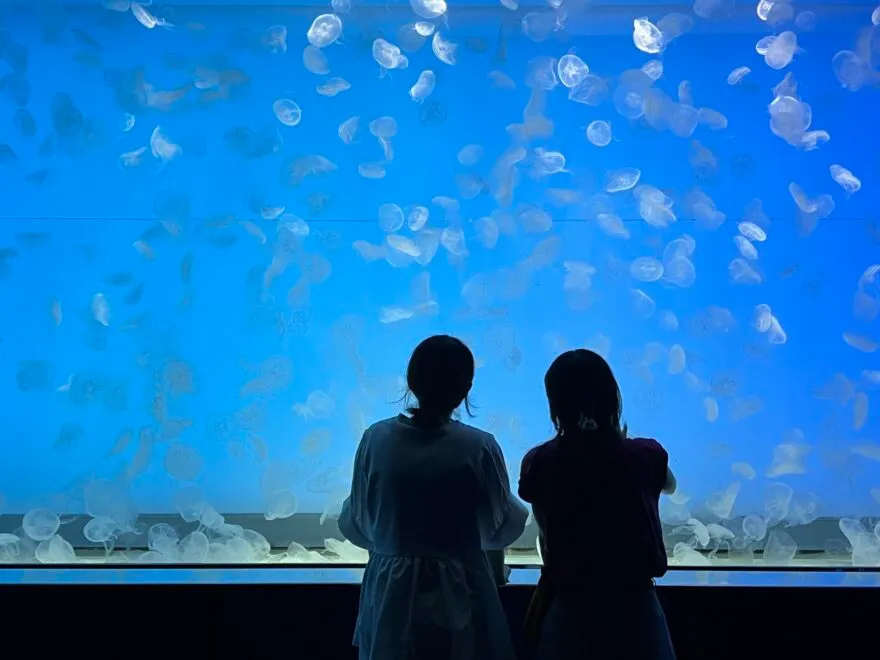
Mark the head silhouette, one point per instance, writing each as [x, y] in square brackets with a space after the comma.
[583, 395]
[439, 375]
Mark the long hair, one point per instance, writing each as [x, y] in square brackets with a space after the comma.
[439, 375]
[584, 396]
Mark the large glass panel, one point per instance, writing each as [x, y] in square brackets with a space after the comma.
[224, 229]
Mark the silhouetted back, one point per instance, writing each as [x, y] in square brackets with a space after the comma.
[597, 504]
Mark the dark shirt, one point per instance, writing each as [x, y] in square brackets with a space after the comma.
[597, 504]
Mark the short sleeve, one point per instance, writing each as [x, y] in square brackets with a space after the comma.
[656, 461]
[503, 517]
[354, 520]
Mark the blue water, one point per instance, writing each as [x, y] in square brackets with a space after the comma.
[73, 227]
[293, 575]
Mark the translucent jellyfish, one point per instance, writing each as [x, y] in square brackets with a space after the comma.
[653, 69]
[646, 269]
[394, 314]
[845, 179]
[163, 538]
[190, 503]
[416, 219]
[500, 80]
[274, 39]
[383, 127]
[763, 317]
[776, 333]
[680, 271]
[287, 112]
[538, 26]
[34, 375]
[675, 24]
[789, 458]
[316, 442]
[333, 86]
[860, 342]
[193, 548]
[712, 118]
[777, 497]
[746, 249]
[715, 10]
[643, 306]
[684, 120]
[10, 548]
[428, 9]
[40, 524]
[67, 120]
[719, 534]
[372, 170]
[55, 550]
[790, 118]
[806, 21]
[657, 214]
[685, 555]
[720, 503]
[446, 51]
[470, 155]
[162, 147]
[183, 462]
[534, 220]
[368, 251]
[99, 530]
[742, 273]
[348, 129]
[737, 75]
[647, 37]
[668, 320]
[541, 73]
[599, 133]
[572, 70]
[754, 527]
[622, 180]
[613, 225]
[677, 359]
[860, 410]
[280, 505]
[390, 218]
[403, 245]
[424, 28]
[423, 87]
[629, 96]
[325, 29]
[487, 231]
[780, 548]
[315, 61]
[851, 71]
[592, 91]
[752, 232]
[781, 50]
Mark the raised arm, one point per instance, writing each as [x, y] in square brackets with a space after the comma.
[671, 482]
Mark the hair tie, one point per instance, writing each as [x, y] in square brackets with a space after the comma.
[587, 423]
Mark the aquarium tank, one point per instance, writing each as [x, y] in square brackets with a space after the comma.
[225, 227]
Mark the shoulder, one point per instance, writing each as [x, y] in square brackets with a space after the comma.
[537, 456]
[472, 434]
[646, 448]
[533, 470]
[380, 429]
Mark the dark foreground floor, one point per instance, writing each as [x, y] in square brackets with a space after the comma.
[315, 621]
